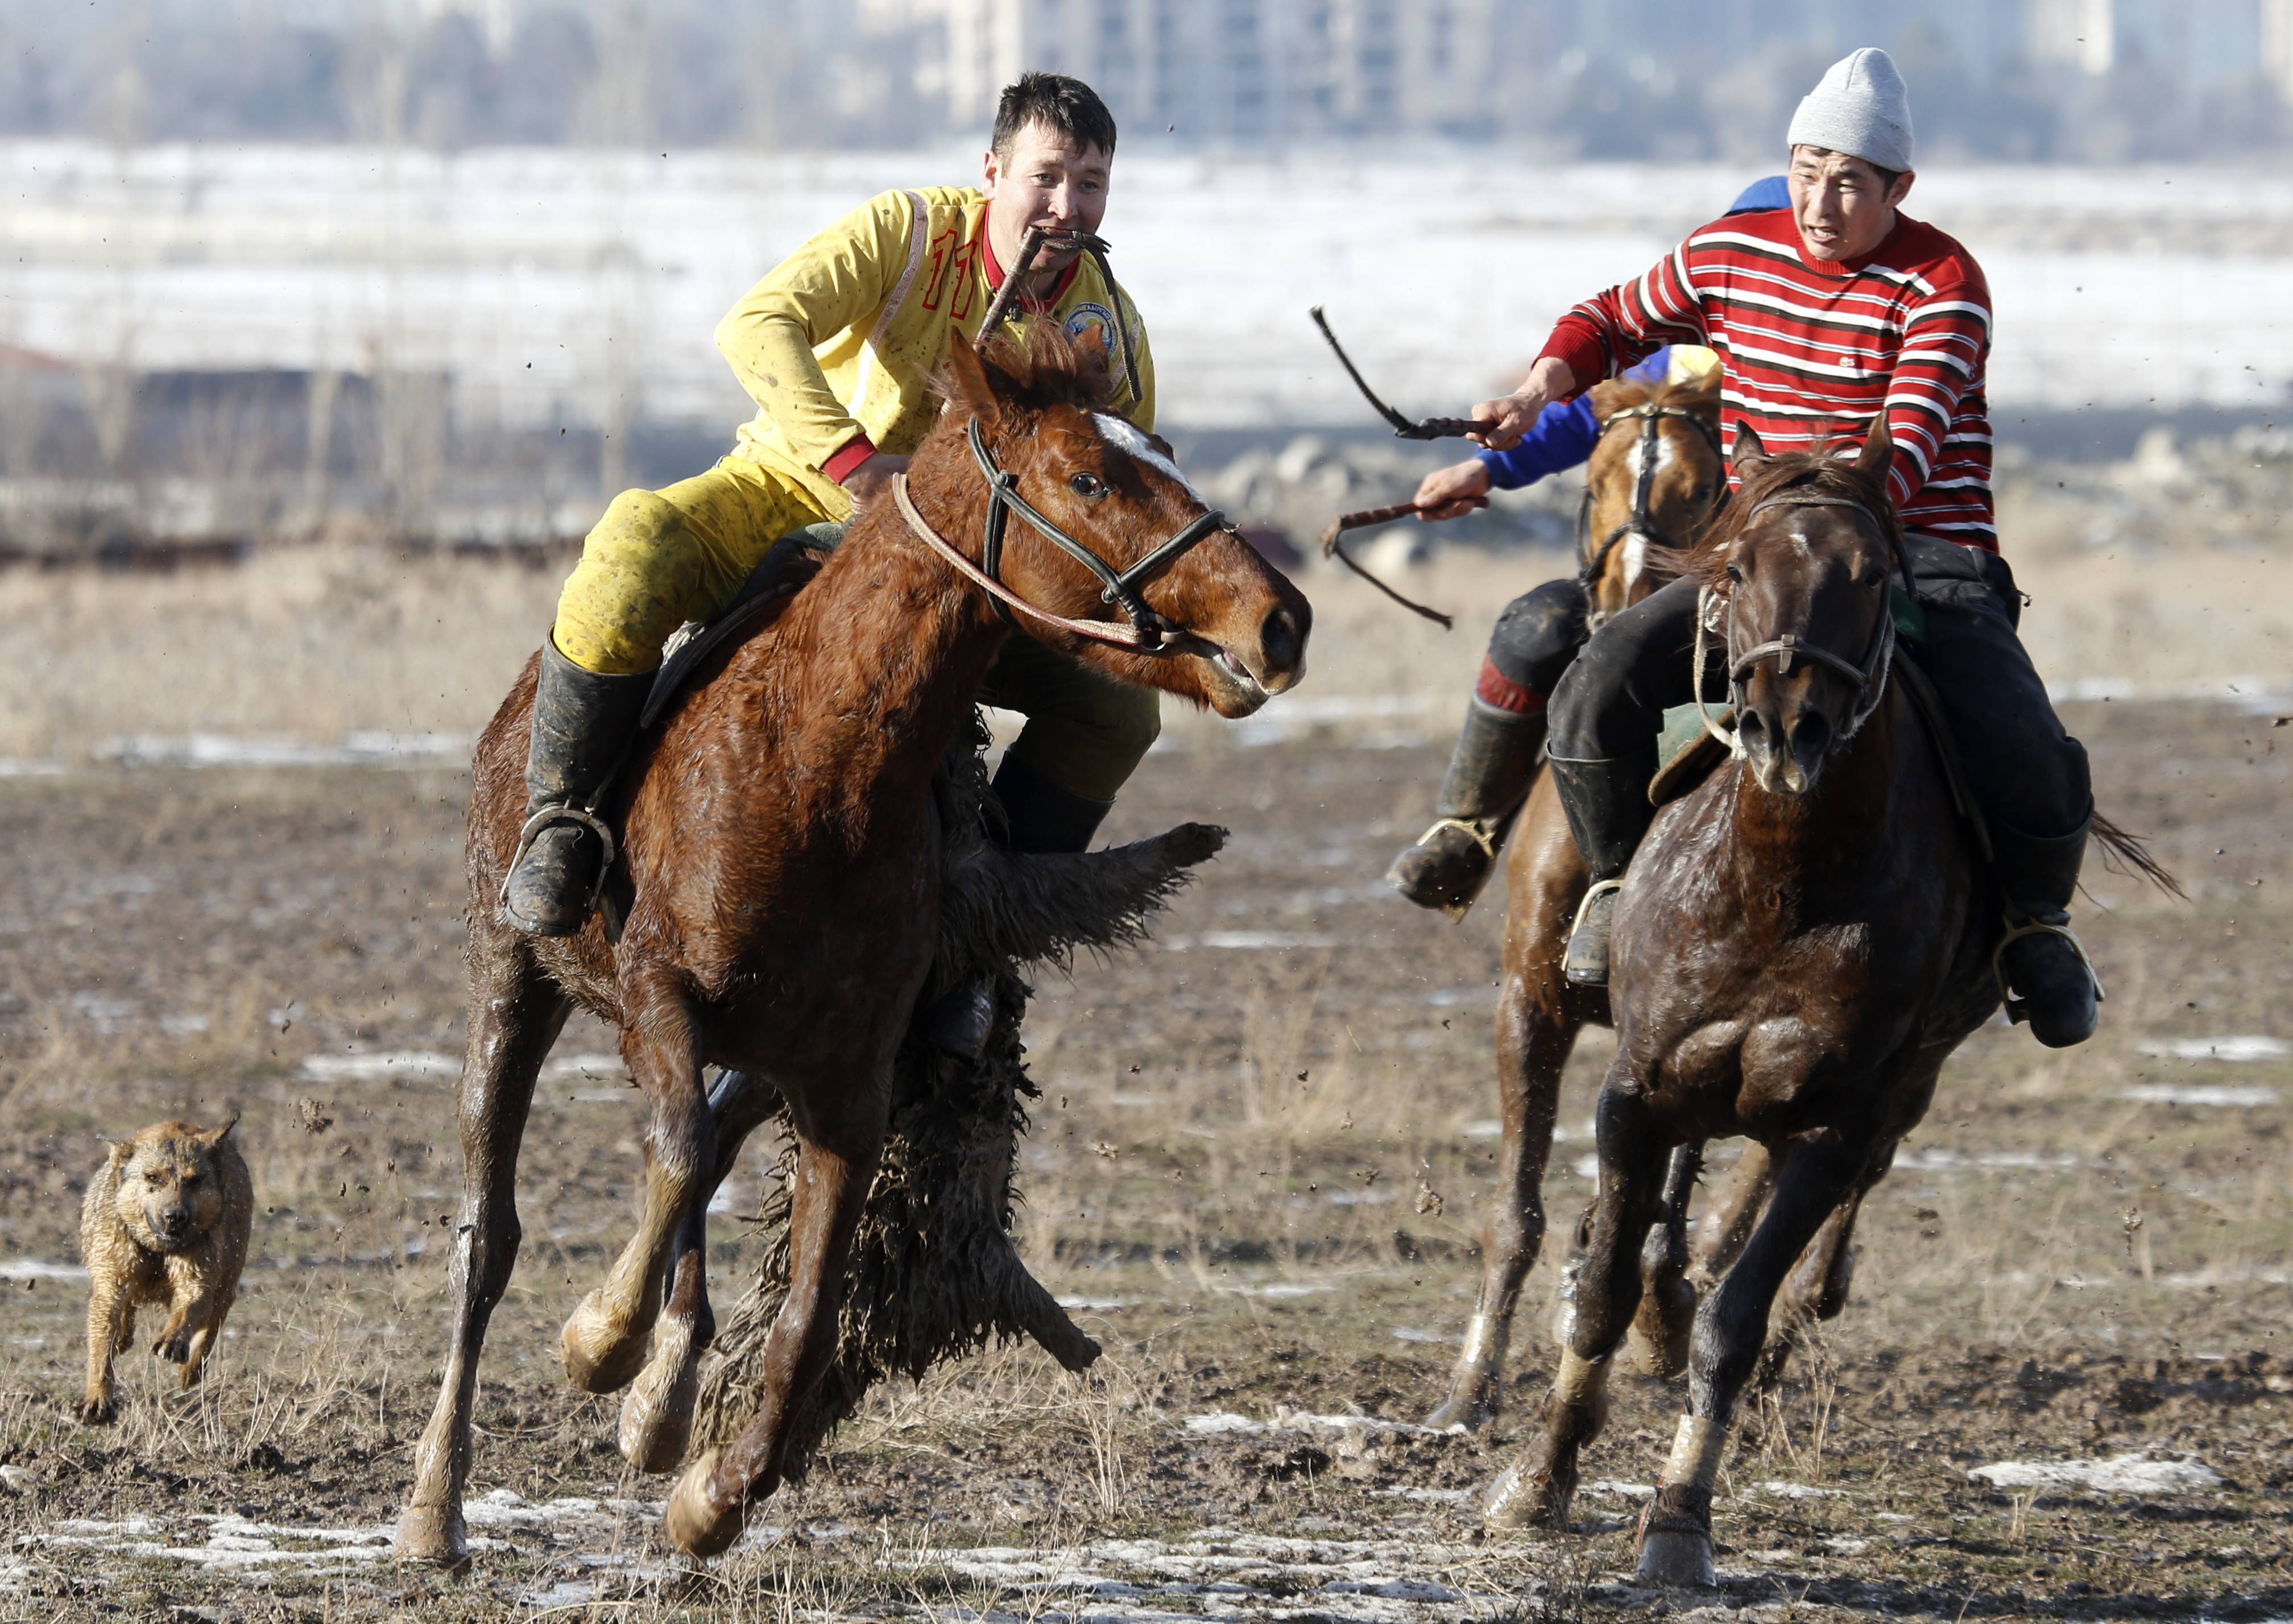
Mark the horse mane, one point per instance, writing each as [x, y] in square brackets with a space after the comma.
[1699, 396]
[1046, 365]
[1817, 472]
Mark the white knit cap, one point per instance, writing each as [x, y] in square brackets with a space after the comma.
[1861, 109]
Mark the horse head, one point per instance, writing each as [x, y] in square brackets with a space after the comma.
[1104, 517]
[1655, 477]
[1803, 564]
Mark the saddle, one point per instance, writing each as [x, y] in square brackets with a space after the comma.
[1689, 754]
[785, 570]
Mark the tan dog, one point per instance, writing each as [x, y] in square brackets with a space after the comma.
[165, 1221]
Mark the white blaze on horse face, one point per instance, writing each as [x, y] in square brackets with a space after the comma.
[1635, 545]
[1635, 556]
[1129, 438]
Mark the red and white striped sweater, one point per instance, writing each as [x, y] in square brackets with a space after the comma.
[1812, 352]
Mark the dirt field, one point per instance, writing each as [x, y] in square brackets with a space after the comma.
[1258, 1172]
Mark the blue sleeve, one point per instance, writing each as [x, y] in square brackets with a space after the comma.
[1563, 437]
[1655, 370]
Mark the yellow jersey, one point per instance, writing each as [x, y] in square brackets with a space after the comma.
[838, 346]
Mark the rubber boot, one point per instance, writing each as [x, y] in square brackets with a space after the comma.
[582, 725]
[1607, 802]
[1038, 816]
[2043, 973]
[1488, 778]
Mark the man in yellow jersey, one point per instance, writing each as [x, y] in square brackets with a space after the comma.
[839, 346]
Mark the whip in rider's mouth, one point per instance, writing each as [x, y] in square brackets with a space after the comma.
[1825, 314]
[839, 346]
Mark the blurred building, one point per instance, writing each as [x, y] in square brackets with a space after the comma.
[1231, 69]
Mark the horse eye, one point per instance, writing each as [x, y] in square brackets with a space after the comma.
[1735, 574]
[1089, 487]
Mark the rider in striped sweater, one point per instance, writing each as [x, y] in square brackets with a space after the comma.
[1827, 315]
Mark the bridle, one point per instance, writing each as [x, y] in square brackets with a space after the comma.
[1145, 629]
[1869, 678]
[1592, 562]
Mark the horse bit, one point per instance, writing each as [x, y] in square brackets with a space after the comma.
[1593, 563]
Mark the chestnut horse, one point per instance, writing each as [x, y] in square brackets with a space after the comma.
[1800, 943]
[1655, 477]
[783, 883]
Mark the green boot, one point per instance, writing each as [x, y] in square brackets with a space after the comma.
[582, 726]
[2037, 957]
[1607, 802]
[1488, 778]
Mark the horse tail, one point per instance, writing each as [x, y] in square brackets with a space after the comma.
[2125, 853]
[1000, 908]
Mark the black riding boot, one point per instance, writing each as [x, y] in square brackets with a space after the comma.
[2053, 985]
[1489, 774]
[1609, 810]
[582, 724]
[1040, 817]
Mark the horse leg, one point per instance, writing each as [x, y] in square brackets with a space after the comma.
[1536, 1489]
[1817, 1286]
[657, 1414]
[1536, 1031]
[515, 1017]
[1660, 1329]
[1676, 1527]
[834, 1172]
[1728, 1222]
[605, 1339]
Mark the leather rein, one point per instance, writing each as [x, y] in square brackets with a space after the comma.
[1145, 630]
[1869, 678]
[1593, 561]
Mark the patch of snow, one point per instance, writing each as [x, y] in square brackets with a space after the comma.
[1802, 1491]
[365, 1067]
[2226, 1095]
[2242, 1049]
[1247, 940]
[2118, 1475]
[1631, 1492]
[34, 1268]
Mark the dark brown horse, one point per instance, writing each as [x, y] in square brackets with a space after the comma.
[781, 884]
[1800, 943]
[1655, 477]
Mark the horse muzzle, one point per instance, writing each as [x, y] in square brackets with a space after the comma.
[1785, 737]
[1242, 676]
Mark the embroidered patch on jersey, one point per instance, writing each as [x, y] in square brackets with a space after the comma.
[1090, 317]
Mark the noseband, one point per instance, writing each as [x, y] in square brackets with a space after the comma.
[1869, 678]
[1593, 563]
[1145, 630]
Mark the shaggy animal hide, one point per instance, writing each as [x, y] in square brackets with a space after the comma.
[934, 1274]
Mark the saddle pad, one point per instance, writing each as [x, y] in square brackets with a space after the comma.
[793, 561]
[1688, 753]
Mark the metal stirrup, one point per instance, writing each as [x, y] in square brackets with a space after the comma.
[1585, 907]
[2017, 1009]
[1481, 837]
[563, 811]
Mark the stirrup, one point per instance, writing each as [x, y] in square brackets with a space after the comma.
[530, 830]
[1585, 907]
[1483, 838]
[2018, 1010]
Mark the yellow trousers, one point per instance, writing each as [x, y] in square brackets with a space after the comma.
[657, 559]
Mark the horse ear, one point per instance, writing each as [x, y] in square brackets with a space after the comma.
[1748, 449]
[968, 373]
[1878, 449]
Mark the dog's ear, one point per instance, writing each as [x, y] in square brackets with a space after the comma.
[120, 1149]
[210, 1139]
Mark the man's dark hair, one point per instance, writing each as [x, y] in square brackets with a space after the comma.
[1057, 102]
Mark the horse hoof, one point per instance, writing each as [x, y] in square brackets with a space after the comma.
[657, 1415]
[1676, 1560]
[1470, 1411]
[1523, 1498]
[600, 1356]
[433, 1536]
[694, 1524]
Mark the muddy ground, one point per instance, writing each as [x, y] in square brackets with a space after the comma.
[1257, 1171]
